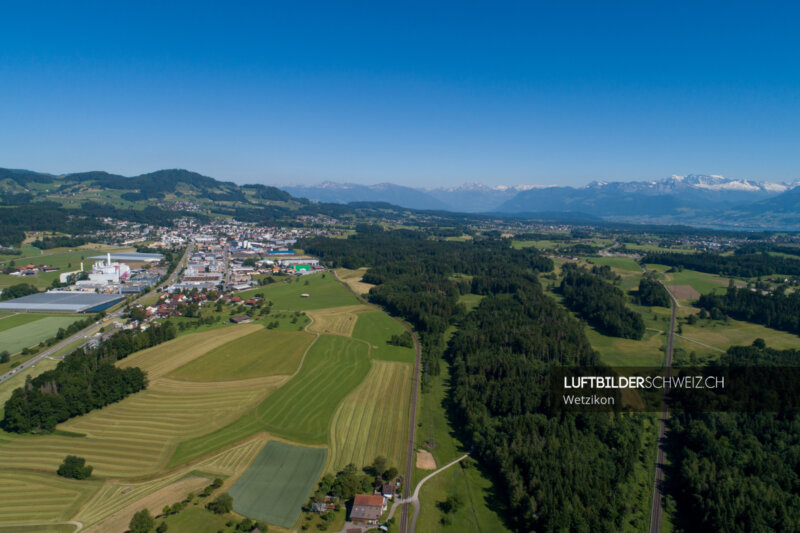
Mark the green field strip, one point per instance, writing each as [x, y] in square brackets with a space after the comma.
[278, 483]
[302, 409]
[377, 328]
[32, 333]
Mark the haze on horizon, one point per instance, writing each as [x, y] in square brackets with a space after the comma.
[418, 95]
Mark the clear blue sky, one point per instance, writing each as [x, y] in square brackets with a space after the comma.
[297, 91]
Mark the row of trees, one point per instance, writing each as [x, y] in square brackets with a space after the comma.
[83, 381]
[600, 303]
[745, 265]
[778, 310]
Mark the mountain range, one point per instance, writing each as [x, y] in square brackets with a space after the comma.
[700, 200]
[692, 199]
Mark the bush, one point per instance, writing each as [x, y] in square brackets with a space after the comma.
[142, 522]
[222, 504]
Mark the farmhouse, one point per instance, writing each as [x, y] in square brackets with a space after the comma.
[367, 508]
[240, 319]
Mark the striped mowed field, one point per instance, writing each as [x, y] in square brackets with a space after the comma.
[277, 484]
[261, 353]
[373, 419]
[302, 409]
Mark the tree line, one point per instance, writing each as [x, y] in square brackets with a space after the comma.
[777, 310]
[85, 380]
[745, 265]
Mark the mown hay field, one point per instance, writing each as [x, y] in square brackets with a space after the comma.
[353, 279]
[261, 353]
[336, 320]
[377, 328]
[277, 484]
[27, 496]
[122, 497]
[167, 357]
[373, 419]
[302, 409]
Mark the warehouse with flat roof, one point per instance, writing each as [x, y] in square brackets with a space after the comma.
[62, 302]
[131, 256]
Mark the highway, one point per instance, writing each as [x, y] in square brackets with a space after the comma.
[657, 511]
[95, 327]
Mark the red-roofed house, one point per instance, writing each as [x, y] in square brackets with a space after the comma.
[367, 508]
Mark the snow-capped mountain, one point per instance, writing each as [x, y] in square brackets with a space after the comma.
[673, 196]
[676, 198]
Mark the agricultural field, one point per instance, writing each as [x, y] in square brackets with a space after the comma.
[27, 496]
[215, 398]
[700, 281]
[278, 483]
[302, 409]
[353, 279]
[8, 386]
[617, 263]
[26, 330]
[322, 289]
[261, 353]
[169, 356]
[336, 320]
[710, 338]
[376, 328]
[121, 497]
[373, 420]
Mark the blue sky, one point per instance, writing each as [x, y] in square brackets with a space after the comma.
[367, 92]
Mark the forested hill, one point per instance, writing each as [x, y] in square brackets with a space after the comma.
[171, 184]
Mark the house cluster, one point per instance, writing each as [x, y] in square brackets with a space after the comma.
[30, 270]
[170, 304]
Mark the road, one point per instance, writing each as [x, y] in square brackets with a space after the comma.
[657, 511]
[411, 439]
[94, 327]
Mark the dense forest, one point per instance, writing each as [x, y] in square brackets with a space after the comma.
[746, 265]
[556, 472]
[736, 471]
[777, 310]
[599, 302]
[552, 471]
[652, 293]
[83, 381]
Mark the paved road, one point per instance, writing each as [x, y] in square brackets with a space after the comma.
[93, 328]
[657, 510]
